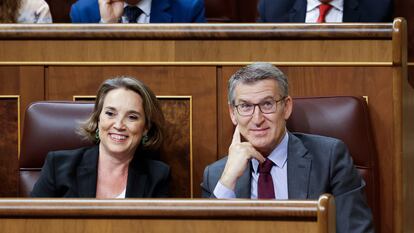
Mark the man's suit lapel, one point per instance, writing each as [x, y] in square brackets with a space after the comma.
[243, 186]
[298, 170]
[297, 13]
[86, 173]
[351, 11]
[160, 11]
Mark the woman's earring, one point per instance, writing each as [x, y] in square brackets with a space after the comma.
[97, 135]
[144, 139]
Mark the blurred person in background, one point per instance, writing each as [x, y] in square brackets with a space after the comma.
[138, 11]
[321, 11]
[24, 11]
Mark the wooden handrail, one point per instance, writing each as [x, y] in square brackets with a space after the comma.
[195, 31]
[164, 208]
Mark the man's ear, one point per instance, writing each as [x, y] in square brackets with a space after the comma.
[287, 111]
[232, 115]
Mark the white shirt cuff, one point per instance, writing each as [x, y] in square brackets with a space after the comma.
[103, 21]
[222, 192]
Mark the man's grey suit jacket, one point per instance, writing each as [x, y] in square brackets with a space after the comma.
[316, 165]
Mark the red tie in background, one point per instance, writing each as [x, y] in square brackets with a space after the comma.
[323, 11]
[265, 187]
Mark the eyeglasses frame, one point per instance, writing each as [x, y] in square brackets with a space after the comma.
[260, 109]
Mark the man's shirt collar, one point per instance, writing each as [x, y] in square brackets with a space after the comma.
[312, 4]
[144, 5]
[278, 156]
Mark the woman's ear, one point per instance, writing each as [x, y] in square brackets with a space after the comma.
[147, 128]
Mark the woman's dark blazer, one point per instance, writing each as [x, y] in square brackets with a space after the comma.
[73, 173]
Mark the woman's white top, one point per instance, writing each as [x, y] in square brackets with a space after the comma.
[34, 11]
[121, 195]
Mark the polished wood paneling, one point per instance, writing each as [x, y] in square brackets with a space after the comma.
[352, 31]
[64, 82]
[9, 136]
[25, 81]
[408, 152]
[153, 226]
[181, 43]
[134, 215]
[194, 51]
[403, 8]
[176, 151]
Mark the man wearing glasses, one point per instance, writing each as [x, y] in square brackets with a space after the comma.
[267, 161]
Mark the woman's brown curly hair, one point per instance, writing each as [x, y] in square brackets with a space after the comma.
[9, 10]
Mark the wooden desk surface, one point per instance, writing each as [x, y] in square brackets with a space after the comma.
[166, 215]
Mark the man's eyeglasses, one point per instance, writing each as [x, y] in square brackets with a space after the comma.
[266, 107]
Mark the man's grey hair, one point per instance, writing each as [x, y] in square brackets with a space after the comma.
[254, 73]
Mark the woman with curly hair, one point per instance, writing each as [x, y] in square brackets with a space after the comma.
[24, 11]
[127, 128]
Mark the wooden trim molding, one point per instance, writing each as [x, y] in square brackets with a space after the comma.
[191, 161]
[166, 208]
[17, 97]
[188, 63]
[195, 31]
